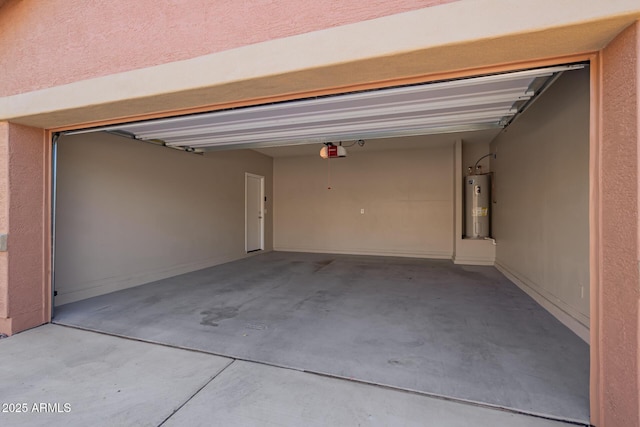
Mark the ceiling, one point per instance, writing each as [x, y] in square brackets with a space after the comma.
[453, 108]
[383, 144]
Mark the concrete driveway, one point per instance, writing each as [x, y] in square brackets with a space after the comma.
[55, 375]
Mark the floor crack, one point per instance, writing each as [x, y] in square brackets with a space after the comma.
[196, 392]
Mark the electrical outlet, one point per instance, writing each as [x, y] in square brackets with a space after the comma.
[362, 211]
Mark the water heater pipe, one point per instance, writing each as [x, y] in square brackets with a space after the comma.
[486, 155]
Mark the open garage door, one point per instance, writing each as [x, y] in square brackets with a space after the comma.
[356, 282]
[471, 104]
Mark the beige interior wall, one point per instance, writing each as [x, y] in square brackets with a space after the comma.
[407, 197]
[541, 209]
[130, 212]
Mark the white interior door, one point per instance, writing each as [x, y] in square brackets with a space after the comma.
[254, 212]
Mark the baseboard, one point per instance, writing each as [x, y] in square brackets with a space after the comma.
[567, 315]
[391, 253]
[473, 260]
[113, 284]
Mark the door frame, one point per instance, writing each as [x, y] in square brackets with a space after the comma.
[248, 175]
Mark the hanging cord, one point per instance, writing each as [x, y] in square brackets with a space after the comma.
[328, 173]
[360, 142]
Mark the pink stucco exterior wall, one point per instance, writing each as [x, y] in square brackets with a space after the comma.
[4, 217]
[620, 293]
[23, 216]
[53, 42]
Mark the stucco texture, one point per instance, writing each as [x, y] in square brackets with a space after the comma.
[23, 155]
[4, 215]
[619, 295]
[456, 39]
[54, 42]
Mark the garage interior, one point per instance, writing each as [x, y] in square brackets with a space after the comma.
[360, 268]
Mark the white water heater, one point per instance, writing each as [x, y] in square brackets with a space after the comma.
[477, 206]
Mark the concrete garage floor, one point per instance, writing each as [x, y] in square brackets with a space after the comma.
[101, 380]
[422, 325]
